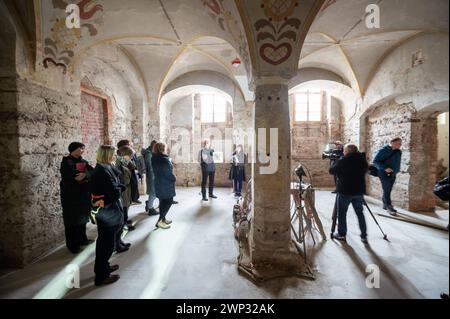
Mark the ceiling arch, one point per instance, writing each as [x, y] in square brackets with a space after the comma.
[211, 79]
[313, 74]
[339, 34]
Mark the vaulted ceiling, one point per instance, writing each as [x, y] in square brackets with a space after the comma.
[340, 41]
[165, 39]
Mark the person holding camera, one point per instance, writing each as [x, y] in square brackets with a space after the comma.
[336, 154]
[388, 161]
[351, 172]
[206, 159]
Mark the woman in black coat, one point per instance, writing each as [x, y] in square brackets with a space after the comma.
[106, 192]
[164, 183]
[75, 197]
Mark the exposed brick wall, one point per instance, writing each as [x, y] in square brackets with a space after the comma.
[308, 143]
[93, 124]
[309, 140]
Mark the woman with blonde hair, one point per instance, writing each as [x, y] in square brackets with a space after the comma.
[106, 192]
[164, 183]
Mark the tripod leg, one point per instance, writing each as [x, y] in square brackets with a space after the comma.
[376, 222]
[334, 218]
[312, 212]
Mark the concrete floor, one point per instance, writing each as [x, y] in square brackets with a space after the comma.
[196, 258]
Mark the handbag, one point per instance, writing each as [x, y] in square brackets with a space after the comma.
[109, 216]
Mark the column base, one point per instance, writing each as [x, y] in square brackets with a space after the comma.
[288, 264]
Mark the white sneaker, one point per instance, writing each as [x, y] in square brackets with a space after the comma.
[161, 224]
[167, 221]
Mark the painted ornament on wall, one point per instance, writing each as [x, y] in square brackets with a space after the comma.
[61, 42]
[228, 23]
[276, 34]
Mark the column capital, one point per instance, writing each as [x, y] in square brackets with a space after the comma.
[270, 80]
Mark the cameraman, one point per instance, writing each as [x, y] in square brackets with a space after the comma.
[351, 186]
[336, 154]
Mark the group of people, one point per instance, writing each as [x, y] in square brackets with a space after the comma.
[110, 187]
[208, 167]
[350, 173]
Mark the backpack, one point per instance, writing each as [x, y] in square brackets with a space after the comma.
[441, 189]
[373, 170]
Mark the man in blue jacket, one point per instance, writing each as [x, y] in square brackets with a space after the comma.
[388, 161]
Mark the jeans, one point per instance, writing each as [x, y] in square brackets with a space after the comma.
[238, 185]
[387, 182]
[151, 198]
[343, 202]
[103, 251]
[205, 176]
[164, 206]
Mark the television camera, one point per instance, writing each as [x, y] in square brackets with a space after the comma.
[333, 151]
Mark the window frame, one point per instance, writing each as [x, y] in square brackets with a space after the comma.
[308, 93]
[213, 110]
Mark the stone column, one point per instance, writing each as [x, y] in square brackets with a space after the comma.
[271, 222]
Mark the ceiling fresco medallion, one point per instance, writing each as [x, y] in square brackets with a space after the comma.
[277, 32]
[278, 10]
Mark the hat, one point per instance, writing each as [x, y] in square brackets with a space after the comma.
[74, 146]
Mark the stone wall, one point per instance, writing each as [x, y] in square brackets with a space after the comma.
[12, 221]
[382, 124]
[33, 218]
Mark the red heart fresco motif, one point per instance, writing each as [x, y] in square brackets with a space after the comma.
[275, 55]
[213, 5]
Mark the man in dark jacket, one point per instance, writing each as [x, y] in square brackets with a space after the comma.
[351, 187]
[75, 197]
[388, 161]
[206, 160]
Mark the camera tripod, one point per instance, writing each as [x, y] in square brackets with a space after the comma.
[308, 218]
[334, 219]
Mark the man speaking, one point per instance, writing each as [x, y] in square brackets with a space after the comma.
[206, 159]
[351, 186]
